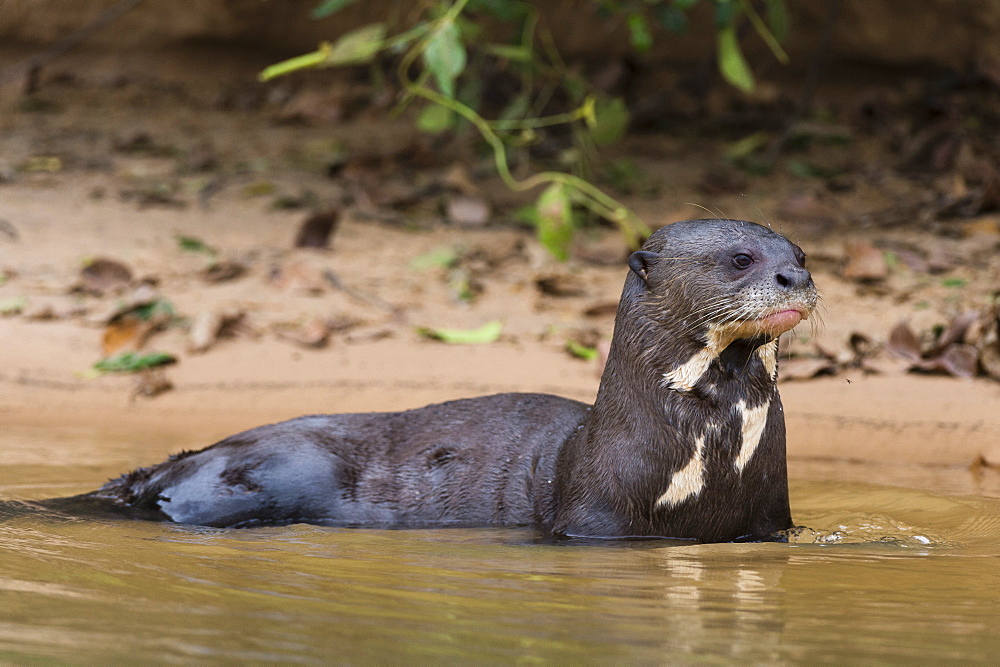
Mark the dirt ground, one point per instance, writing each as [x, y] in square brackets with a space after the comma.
[176, 163]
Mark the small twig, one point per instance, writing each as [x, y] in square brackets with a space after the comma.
[32, 65]
[9, 230]
[370, 299]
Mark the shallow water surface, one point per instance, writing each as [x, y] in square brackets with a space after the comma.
[906, 569]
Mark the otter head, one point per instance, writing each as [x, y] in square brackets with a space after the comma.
[718, 281]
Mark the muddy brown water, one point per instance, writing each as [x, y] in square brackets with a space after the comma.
[899, 566]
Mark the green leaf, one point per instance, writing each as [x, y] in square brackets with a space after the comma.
[581, 351]
[445, 57]
[488, 333]
[624, 175]
[725, 13]
[810, 170]
[160, 307]
[439, 258]
[328, 7]
[954, 282]
[435, 119]
[732, 64]
[193, 244]
[777, 19]
[461, 286]
[555, 220]
[469, 30]
[610, 120]
[642, 40]
[13, 305]
[671, 18]
[800, 169]
[517, 53]
[357, 46]
[685, 5]
[130, 362]
[505, 10]
[746, 146]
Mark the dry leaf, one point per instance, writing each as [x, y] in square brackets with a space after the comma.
[805, 368]
[885, 366]
[457, 178]
[605, 309]
[298, 277]
[957, 328]
[223, 271]
[862, 345]
[314, 333]
[316, 230]
[125, 334]
[204, 331]
[210, 326]
[561, 285]
[806, 209]
[904, 343]
[989, 357]
[151, 382]
[52, 309]
[957, 359]
[370, 335]
[103, 276]
[865, 263]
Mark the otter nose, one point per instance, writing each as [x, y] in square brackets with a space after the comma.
[791, 277]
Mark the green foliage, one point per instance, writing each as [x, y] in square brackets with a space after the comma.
[732, 64]
[328, 7]
[439, 258]
[439, 42]
[554, 220]
[193, 244]
[610, 120]
[777, 19]
[131, 362]
[12, 305]
[488, 333]
[671, 17]
[358, 46]
[435, 119]
[810, 170]
[444, 56]
[642, 40]
[581, 351]
[161, 308]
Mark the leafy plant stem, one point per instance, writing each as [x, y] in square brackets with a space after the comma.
[579, 190]
[584, 192]
[764, 32]
[305, 61]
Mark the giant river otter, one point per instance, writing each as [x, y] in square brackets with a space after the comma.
[686, 438]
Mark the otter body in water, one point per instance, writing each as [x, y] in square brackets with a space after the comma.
[686, 438]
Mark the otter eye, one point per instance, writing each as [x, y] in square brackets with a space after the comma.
[742, 260]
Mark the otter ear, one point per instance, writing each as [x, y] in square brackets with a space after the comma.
[641, 262]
